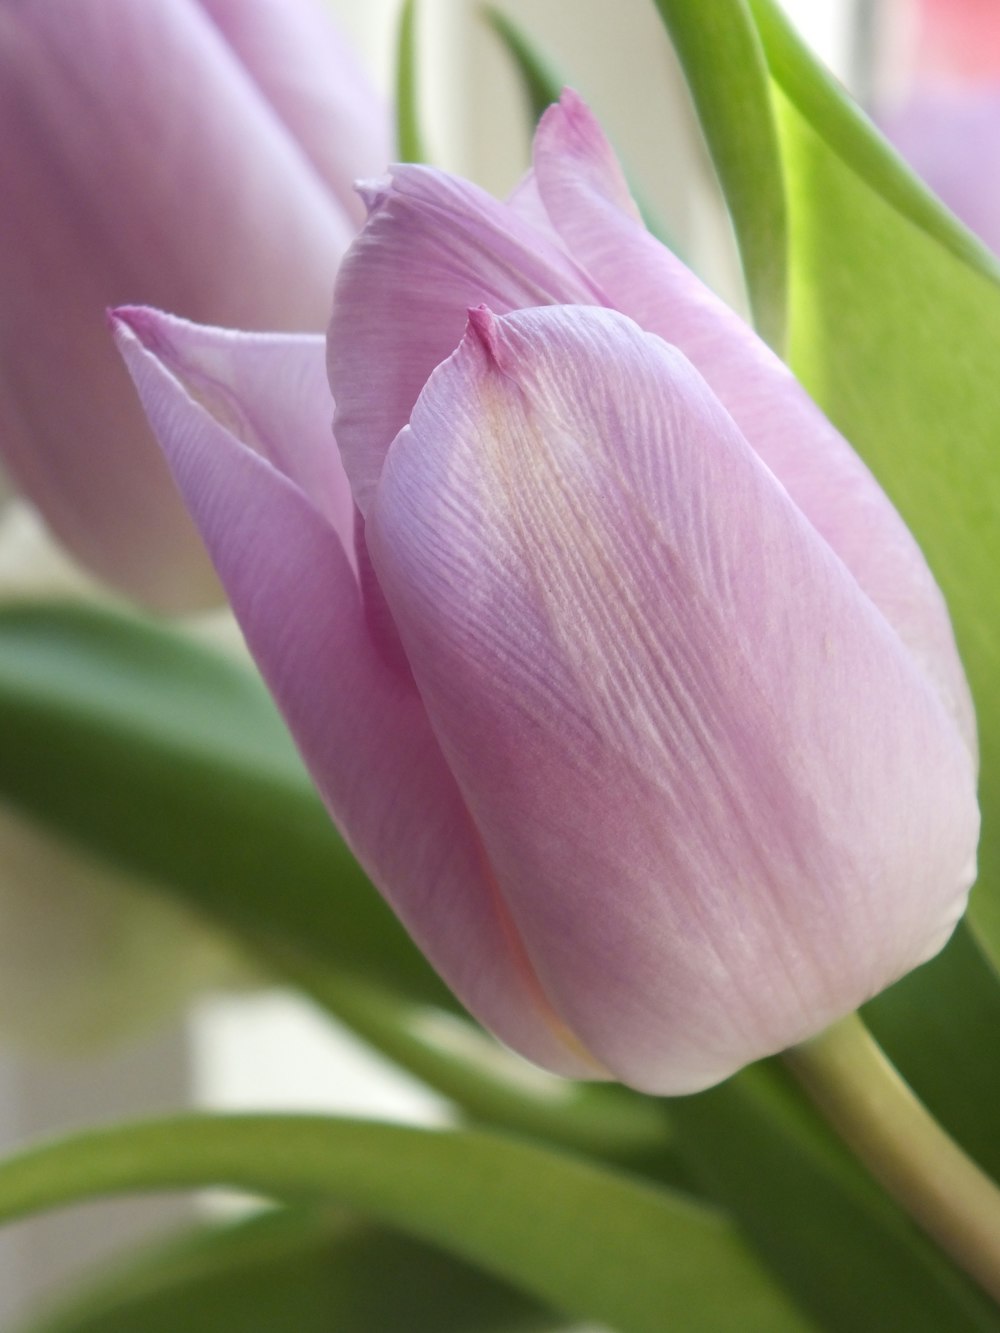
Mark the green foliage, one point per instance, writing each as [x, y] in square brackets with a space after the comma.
[590, 1242]
[409, 132]
[895, 320]
[723, 62]
[297, 1271]
[171, 761]
[940, 1027]
[813, 1215]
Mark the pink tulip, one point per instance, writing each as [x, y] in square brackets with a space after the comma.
[191, 155]
[939, 103]
[623, 678]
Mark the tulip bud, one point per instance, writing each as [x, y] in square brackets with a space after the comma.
[151, 152]
[625, 681]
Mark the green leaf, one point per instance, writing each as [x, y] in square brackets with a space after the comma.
[493, 1086]
[409, 135]
[723, 62]
[298, 1271]
[848, 132]
[587, 1241]
[813, 1215]
[171, 761]
[895, 321]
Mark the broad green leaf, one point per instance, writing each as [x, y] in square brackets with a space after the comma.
[298, 1271]
[170, 760]
[822, 102]
[587, 1241]
[895, 321]
[895, 314]
[409, 134]
[813, 1215]
[723, 62]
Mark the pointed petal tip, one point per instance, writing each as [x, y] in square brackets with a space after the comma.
[570, 115]
[120, 319]
[373, 192]
[140, 323]
[484, 327]
[138, 329]
[572, 103]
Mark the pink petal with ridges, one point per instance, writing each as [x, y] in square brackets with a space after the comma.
[359, 723]
[586, 197]
[721, 802]
[433, 246]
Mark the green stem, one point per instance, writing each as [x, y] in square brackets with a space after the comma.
[409, 135]
[878, 1115]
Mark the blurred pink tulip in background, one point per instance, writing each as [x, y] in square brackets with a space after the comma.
[198, 156]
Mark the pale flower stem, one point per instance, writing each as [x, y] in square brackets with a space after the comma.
[878, 1115]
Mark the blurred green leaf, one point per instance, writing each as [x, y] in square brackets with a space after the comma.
[542, 85]
[409, 134]
[540, 80]
[723, 62]
[297, 1271]
[171, 761]
[813, 1215]
[493, 1086]
[895, 321]
[590, 1242]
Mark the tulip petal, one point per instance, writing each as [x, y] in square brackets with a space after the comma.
[433, 246]
[586, 196]
[247, 382]
[359, 723]
[722, 803]
[309, 73]
[139, 164]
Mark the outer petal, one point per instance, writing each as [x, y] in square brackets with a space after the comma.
[309, 73]
[269, 390]
[722, 803]
[359, 723]
[587, 199]
[139, 163]
[433, 246]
